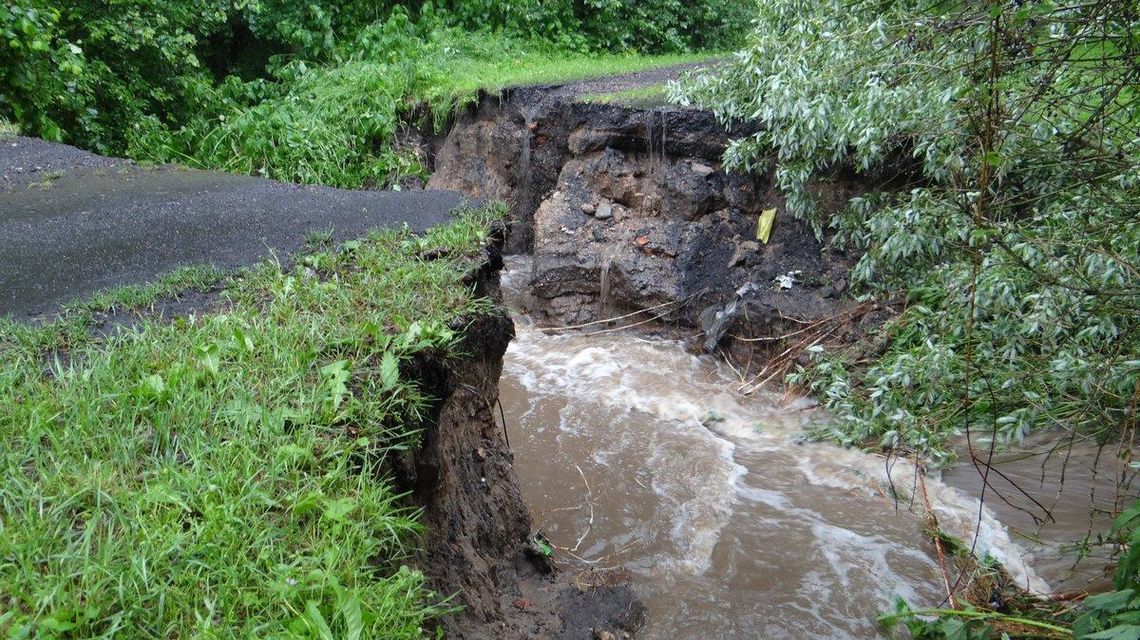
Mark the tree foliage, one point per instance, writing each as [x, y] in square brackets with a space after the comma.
[88, 71]
[1014, 248]
[79, 70]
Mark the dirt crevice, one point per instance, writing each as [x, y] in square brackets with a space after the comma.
[627, 209]
[477, 544]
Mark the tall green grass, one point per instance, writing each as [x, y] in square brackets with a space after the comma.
[337, 123]
[223, 475]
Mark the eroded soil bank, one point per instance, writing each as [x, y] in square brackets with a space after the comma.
[479, 542]
[629, 209]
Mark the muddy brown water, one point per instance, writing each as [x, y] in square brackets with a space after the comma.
[635, 454]
[1054, 494]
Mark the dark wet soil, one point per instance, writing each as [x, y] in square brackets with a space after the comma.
[73, 223]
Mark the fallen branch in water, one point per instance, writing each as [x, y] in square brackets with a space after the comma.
[812, 333]
[932, 522]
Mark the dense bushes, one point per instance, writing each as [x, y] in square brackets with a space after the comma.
[314, 124]
[615, 25]
[100, 74]
[80, 70]
[1014, 254]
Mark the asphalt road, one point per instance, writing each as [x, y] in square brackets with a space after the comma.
[73, 223]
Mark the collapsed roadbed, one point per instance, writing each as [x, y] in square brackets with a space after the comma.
[632, 219]
[74, 223]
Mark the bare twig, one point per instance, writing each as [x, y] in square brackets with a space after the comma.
[936, 534]
[589, 501]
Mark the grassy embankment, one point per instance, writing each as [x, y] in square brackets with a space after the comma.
[339, 123]
[223, 475]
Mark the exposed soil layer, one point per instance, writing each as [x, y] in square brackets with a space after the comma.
[73, 223]
[629, 209]
[512, 146]
[478, 545]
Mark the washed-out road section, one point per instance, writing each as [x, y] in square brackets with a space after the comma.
[73, 223]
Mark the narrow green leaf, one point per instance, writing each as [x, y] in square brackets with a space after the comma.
[353, 621]
[389, 371]
[316, 621]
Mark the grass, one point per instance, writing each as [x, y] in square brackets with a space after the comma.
[540, 68]
[74, 326]
[223, 475]
[479, 69]
[337, 123]
[8, 130]
[48, 179]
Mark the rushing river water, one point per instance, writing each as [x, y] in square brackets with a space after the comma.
[632, 452]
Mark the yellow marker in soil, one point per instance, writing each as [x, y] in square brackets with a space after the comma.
[764, 225]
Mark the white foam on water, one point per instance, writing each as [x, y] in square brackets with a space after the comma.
[957, 513]
[849, 552]
[699, 521]
[698, 505]
[771, 498]
[647, 412]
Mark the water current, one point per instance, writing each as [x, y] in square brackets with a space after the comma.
[637, 456]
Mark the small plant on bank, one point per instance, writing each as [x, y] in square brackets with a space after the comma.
[8, 130]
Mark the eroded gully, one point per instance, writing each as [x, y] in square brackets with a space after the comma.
[636, 456]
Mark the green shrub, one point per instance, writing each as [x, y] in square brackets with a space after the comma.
[7, 129]
[83, 71]
[652, 26]
[1014, 253]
